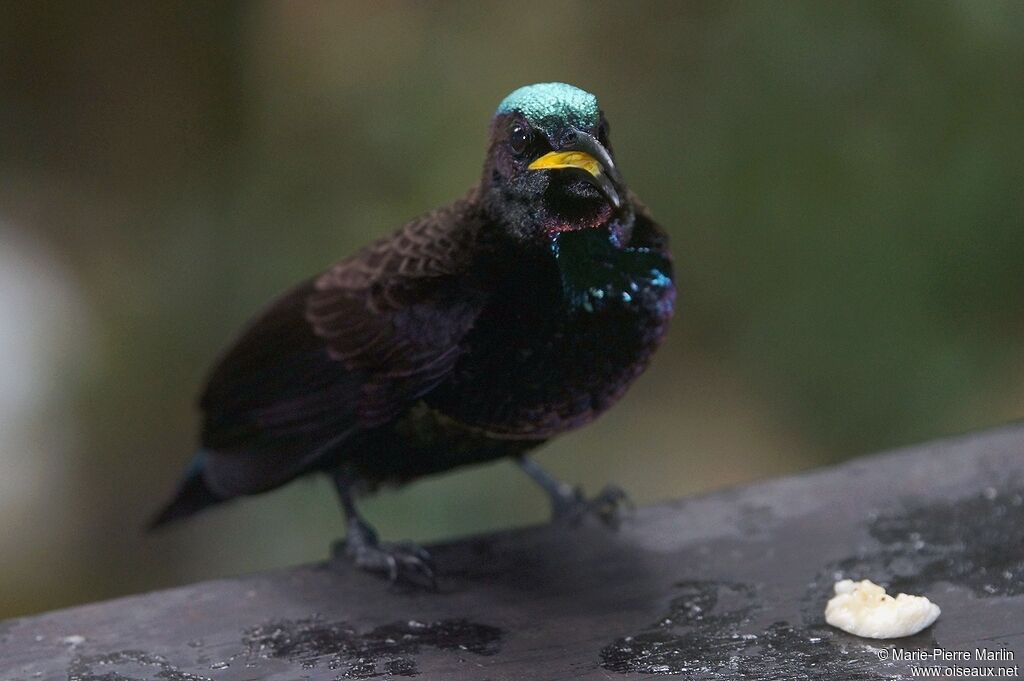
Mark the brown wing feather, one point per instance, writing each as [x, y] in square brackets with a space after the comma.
[343, 352]
[397, 310]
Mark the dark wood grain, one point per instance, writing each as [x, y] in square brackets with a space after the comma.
[725, 586]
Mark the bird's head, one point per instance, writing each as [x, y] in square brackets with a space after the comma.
[550, 167]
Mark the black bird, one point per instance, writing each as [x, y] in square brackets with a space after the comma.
[476, 331]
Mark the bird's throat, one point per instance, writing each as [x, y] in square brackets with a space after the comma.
[596, 272]
[594, 217]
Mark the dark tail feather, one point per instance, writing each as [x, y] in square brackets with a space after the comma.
[192, 496]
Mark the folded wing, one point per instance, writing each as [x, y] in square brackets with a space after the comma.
[341, 354]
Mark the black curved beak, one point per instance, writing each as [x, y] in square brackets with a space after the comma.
[586, 157]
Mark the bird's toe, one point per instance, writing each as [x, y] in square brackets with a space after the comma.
[400, 562]
[609, 506]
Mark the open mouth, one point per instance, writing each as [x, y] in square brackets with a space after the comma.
[573, 200]
[574, 188]
[584, 159]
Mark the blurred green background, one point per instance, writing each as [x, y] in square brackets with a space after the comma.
[843, 183]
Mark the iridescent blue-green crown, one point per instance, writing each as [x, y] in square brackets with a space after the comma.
[545, 101]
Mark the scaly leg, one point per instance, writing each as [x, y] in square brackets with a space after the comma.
[403, 561]
[569, 504]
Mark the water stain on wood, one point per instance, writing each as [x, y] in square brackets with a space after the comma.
[976, 543]
[127, 665]
[711, 632]
[388, 650]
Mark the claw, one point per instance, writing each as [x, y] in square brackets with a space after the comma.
[405, 562]
[569, 503]
[399, 562]
[609, 506]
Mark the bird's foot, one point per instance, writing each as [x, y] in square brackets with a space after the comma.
[400, 562]
[404, 562]
[609, 506]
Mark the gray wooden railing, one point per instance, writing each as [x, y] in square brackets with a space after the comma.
[731, 585]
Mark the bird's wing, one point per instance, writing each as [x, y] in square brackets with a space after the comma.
[344, 352]
[396, 313]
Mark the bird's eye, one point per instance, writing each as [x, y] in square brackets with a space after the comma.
[519, 138]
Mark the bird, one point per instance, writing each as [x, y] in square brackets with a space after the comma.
[477, 331]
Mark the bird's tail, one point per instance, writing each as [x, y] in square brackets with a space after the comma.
[192, 496]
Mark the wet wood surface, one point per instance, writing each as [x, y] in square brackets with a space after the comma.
[731, 585]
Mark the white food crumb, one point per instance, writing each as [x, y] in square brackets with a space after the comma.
[74, 640]
[864, 609]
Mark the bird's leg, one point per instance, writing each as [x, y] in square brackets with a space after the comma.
[402, 561]
[569, 504]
